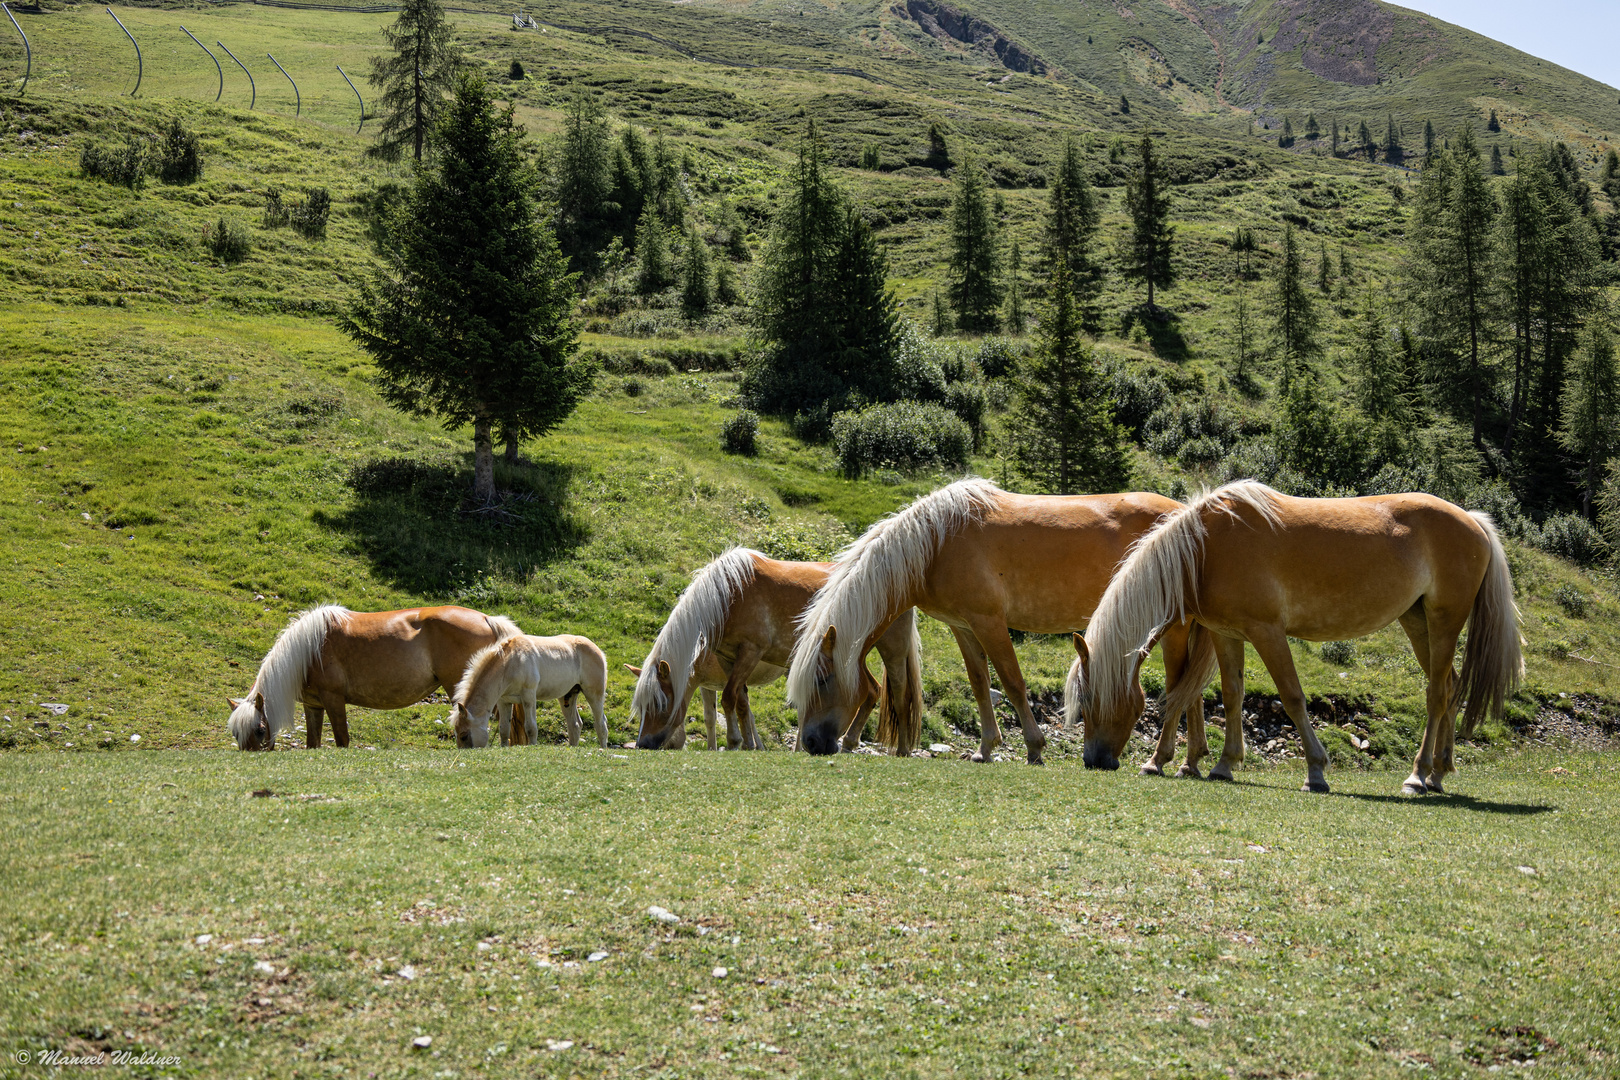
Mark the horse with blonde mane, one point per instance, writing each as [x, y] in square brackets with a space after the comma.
[519, 671]
[734, 627]
[983, 561]
[329, 658]
[1245, 563]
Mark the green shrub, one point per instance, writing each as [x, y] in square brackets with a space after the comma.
[126, 165]
[969, 401]
[179, 156]
[904, 435]
[275, 211]
[1572, 537]
[515, 72]
[1572, 600]
[1338, 652]
[309, 218]
[229, 242]
[999, 357]
[737, 435]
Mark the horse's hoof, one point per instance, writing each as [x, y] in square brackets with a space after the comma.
[1320, 787]
[1217, 774]
[1035, 758]
[1151, 769]
[1434, 785]
[981, 757]
[1413, 786]
[1190, 772]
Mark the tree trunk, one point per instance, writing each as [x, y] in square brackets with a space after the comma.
[483, 462]
[512, 444]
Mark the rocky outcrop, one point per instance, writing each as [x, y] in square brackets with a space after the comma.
[947, 23]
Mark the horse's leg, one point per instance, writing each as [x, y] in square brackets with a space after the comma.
[337, 711]
[1175, 645]
[709, 717]
[857, 723]
[1272, 645]
[313, 715]
[997, 643]
[596, 697]
[1416, 625]
[570, 711]
[531, 724]
[1440, 734]
[978, 673]
[734, 698]
[1229, 653]
[504, 716]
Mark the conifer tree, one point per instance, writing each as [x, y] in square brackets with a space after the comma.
[1147, 254]
[1380, 383]
[1294, 321]
[1497, 168]
[470, 317]
[1313, 130]
[941, 323]
[1335, 148]
[1324, 270]
[584, 179]
[414, 78]
[1493, 124]
[1068, 441]
[975, 287]
[655, 266]
[868, 331]
[1286, 139]
[1072, 218]
[1393, 153]
[1015, 289]
[1243, 340]
[697, 277]
[1365, 140]
[1428, 140]
[1591, 411]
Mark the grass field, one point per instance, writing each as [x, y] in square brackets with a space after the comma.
[872, 917]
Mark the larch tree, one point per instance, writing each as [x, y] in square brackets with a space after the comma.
[974, 283]
[1148, 247]
[415, 76]
[1590, 429]
[469, 319]
[1293, 315]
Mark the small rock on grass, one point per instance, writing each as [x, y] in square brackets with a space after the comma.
[721, 973]
[596, 957]
[941, 748]
[422, 1042]
[663, 915]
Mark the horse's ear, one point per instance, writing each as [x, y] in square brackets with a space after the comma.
[1081, 651]
[235, 703]
[829, 641]
[664, 675]
[632, 669]
[258, 701]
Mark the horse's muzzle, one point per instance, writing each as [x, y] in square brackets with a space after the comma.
[1098, 756]
[821, 739]
[654, 741]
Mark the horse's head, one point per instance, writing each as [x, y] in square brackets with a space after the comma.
[832, 700]
[662, 723]
[472, 732]
[1108, 723]
[248, 723]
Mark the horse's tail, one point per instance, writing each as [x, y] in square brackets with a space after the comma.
[1493, 660]
[1189, 689]
[900, 701]
[502, 627]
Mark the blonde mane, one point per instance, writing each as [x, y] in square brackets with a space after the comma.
[476, 665]
[502, 627]
[1149, 591]
[281, 673]
[695, 624]
[874, 574]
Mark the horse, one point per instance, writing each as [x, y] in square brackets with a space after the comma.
[1246, 563]
[982, 561]
[734, 627]
[329, 658]
[521, 670]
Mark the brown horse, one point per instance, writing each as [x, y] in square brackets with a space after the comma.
[518, 671]
[733, 628]
[982, 561]
[1245, 563]
[330, 658]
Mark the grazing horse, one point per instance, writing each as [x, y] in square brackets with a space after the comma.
[520, 670]
[330, 658]
[982, 561]
[1245, 563]
[733, 628]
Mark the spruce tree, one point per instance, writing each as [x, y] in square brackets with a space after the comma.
[1286, 139]
[1393, 153]
[584, 180]
[1364, 138]
[1428, 140]
[974, 284]
[1380, 382]
[868, 330]
[697, 277]
[1068, 441]
[1497, 168]
[1147, 254]
[414, 77]
[1072, 217]
[1324, 270]
[1590, 430]
[655, 266]
[1335, 148]
[941, 322]
[1293, 316]
[469, 318]
[1243, 340]
[1493, 124]
[1313, 130]
[1015, 289]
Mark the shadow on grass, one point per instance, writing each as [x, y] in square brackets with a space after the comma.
[1461, 802]
[1163, 329]
[409, 520]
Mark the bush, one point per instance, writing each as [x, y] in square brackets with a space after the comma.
[904, 435]
[1572, 537]
[275, 211]
[969, 401]
[229, 242]
[1137, 395]
[126, 165]
[515, 72]
[999, 357]
[737, 434]
[309, 218]
[179, 156]
[1338, 652]
[1572, 600]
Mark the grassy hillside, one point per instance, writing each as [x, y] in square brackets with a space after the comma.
[850, 915]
